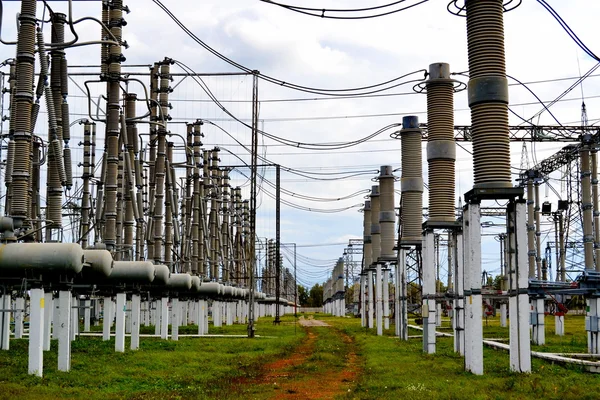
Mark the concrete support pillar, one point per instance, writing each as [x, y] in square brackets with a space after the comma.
[458, 319]
[64, 335]
[363, 303]
[19, 316]
[107, 318]
[370, 295]
[537, 322]
[518, 306]
[87, 314]
[120, 323]
[157, 314]
[402, 296]
[97, 309]
[216, 311]
[135, 321]
[429, 310]
[175, 318]
[36, 332]
[559, 323]
[128, 316]
[386, 299]
[379, 299]
[184, 313]
[48, 313]
[55, 312]
[74, 331]
[200, 311]
[5, 306]
[591, 324]
[503, 319]
[164, 318]
[472, 286]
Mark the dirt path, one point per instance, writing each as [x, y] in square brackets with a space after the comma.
[310, 372]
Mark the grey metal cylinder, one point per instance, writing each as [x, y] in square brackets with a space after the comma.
[133, 271]
[180, 282]
[162, 273]
[411, 181]
[100, 261]
[42, 256]
[387, 216]
[375, 227]
[441, 149]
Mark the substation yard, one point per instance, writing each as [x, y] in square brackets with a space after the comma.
[297, 360]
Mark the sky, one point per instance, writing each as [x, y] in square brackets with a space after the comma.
[333, 54]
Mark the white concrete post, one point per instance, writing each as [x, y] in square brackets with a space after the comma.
[74, 317]
[175, 317]
[503, 319]
[55, 312]
[473, 298]
[6, 305]
[386, 299]
[157, 315]
[403, 295]
[87, 314]
[106, 318]
[120, 323]
[36, 332]
[559, 323]
[64, 330]
[539, 331]
[216, 311]
[19, 316]
[128, 316]
[48, 313]
[379, 299]
[370, 295]
[429, 310]
[135, 321]
[520, 346]
[164, 318]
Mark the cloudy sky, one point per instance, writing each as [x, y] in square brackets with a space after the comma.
[334, 54]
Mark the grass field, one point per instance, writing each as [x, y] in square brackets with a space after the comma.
[341, 361]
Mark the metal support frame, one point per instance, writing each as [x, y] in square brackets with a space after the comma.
[458, 320]
[520, 347]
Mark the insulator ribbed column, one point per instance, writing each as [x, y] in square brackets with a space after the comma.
[387, 216]
[375, 227]
[412, 181]
[238, 244]
[169, 209]
[488, 93]
[226, 212]
[196, 268]
[586, 206]
[530, 228]
[441, 149]
[10, 157]
[154, 74]
[23, 101]
[367, 245]
[112, 143]
[215, 201]
[86, 205]
[596, 203]
[247, 241]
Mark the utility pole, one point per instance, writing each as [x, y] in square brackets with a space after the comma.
[277, 242]
[253, 173]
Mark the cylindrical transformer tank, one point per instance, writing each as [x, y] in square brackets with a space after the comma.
[42, 256]
[162, 273]
[375, 228]
[100, 261]
[441, 149]
[133, 271]
[488, 93]
[387, 216]
[180, 282]
[412, 181]
[367, 234]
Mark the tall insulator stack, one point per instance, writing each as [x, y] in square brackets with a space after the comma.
[488, 93]
[387, 216]
[367, 234]
[375, 227]
[23, 101]
[411, 181]
[197, 266]
[86, 204]
[112, 143]
[441, 149]
[10, 157]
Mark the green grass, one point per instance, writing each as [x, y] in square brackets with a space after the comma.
[189, 368]
[393, 369]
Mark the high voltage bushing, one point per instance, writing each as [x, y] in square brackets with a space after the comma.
[441, 149]
[375, 227]
[367, 234]
[411, 181]
[23, 105]
[196, 203]
[488, 93]
[387, 216]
